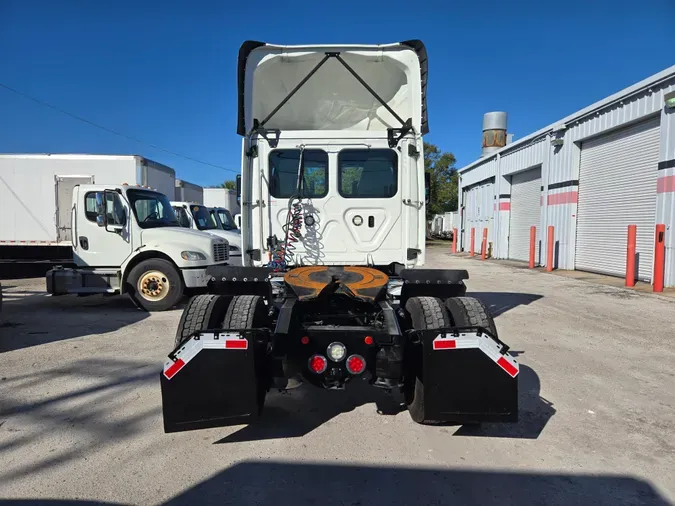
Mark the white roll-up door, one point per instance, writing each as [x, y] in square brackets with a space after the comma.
[479, 214]
[525, 212]
[617, 188]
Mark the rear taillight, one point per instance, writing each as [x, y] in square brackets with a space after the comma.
[317, 364]
[356, 364]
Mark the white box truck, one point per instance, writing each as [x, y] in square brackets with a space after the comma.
[188, 192]
[127, 239]
[36, 195]
[222, 198]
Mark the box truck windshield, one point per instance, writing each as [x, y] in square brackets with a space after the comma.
[201, 215]
[152, 209]
[226, 219]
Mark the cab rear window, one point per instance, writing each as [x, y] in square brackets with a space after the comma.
[368, 173]
[283, 173]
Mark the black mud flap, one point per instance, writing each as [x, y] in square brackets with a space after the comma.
[213, 380]
[469, 377]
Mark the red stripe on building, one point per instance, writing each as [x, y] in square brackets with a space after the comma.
[505, 206]
[445, 344]
[175, 367]
[563, 198]
[665, 184]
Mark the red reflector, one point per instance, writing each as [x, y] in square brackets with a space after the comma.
[507, 366]
[368, 340]
[304, 340]
[445, 344]
[175, 367]
[318, 364]
[236, 344]
[356, 364]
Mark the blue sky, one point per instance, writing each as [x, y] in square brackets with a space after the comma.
[165, 72]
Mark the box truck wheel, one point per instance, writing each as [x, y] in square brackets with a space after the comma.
[201, 313]
[155, 284]
[425, 313]
[470, 312]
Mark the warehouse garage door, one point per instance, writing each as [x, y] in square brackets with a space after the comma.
[525, 212]
[617, 188]
[478, 213]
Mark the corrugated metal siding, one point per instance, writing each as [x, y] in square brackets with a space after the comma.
[525, 213]
[480, 173]
[478, 214]
[528, 156]
[617, 188]
[561, 164]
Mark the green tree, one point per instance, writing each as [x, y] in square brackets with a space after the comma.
[230, 185]
[444, 180]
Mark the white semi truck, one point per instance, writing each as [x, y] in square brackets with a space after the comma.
[196, 216]
[36, 195]
[126, 239]
[333, 288]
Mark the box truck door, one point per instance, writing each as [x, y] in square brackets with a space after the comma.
[64, 197]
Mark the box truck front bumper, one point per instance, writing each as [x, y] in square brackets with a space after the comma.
[195, 278]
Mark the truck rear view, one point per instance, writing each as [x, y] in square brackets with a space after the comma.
[333, 196]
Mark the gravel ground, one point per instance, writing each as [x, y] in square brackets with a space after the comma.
[80, 411]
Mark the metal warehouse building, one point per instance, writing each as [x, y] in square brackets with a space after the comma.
[590, 175]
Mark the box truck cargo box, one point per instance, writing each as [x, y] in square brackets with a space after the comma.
[188, 192]
[222, 197]
[36, 191]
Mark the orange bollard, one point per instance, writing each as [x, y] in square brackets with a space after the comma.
[483, 246]
[549, 257]
[630, 255]
[533, 244]
[473, 241]
[454, 240]
[659, 257]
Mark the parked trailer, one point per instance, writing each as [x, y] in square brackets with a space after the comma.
[188, 192]
[333, 287]
[36, 197]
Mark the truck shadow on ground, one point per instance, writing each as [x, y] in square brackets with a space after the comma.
[32, 318]
[284, 483]
[86, 401]
[501, 302]
[302, 410]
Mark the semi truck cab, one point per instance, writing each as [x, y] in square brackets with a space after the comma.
[127, 239]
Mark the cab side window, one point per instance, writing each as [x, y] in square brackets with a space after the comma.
[114, 208]
[182, 216]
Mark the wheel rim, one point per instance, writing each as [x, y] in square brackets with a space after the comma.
[153, 286]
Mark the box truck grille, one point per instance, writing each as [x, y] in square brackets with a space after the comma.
[220, 252]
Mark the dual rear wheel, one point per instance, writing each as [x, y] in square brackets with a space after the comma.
[432, 313]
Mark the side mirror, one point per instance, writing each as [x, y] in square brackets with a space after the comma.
[237, 220]
[238, 180]
[427, 187]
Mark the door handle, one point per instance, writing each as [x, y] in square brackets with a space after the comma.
[371, 221]
[84, 242]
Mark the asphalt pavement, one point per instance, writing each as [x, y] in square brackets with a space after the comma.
[80, 411]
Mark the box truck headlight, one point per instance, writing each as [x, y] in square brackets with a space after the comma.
[192, 256]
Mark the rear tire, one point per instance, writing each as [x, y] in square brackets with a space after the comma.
[245, 312]
[470, 312]
[155, 284]
[250, 312]
[425, 313]
[202, 312]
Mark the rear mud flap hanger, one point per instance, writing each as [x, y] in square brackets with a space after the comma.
[394, 135]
